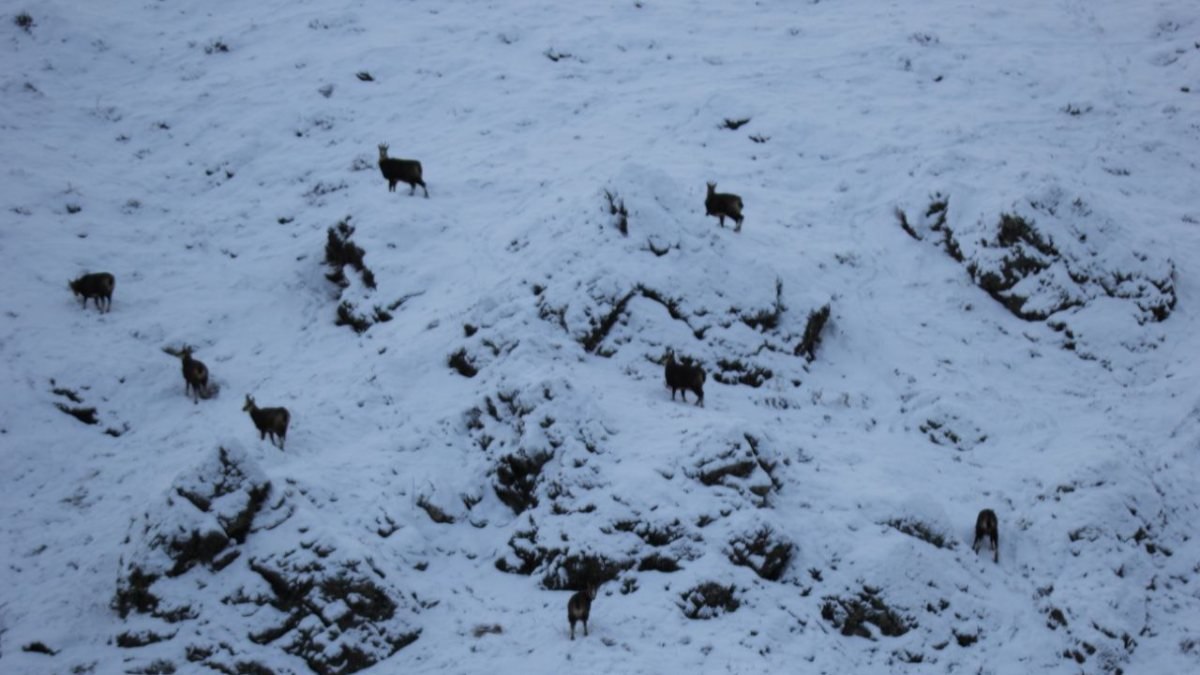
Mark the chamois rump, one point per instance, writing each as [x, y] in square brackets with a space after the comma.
[400, 170]
[987, 527]
[270, 421]
[98, 286]
[684, 377]
[195, 376]
[579, 607]
[722, 205]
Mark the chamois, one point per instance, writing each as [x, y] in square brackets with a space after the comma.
[397, 170]
[273, 421]
[98, 285]
[579, 606]
[684, 377]
[722, 204]
[195, 376]
[986, 527]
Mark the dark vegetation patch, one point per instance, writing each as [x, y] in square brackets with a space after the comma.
[329, 604]
[530, 555]
[141, 638]
[657, 562]
[38, 647]
[852, 614]
[155, 667]
[653, 535]
[767, 318]
[600, 326]
[560, 567]
[574, 571]
[947, 430]
[807, 346]
[915, 528]
[1039, 279]
[487, 629]
[764, 551]
[517, 476]
[341, 252]
[735, 371]
[85, 415]
[25, 22]
[741, 464]
[461, 363]
[220, 505]
[709, 600]
[616, 208]
[435, 512]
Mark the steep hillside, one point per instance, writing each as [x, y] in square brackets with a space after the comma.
[964, 281]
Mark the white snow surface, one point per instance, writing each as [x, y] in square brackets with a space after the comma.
[201, 151]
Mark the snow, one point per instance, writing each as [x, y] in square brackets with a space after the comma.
[200, 153]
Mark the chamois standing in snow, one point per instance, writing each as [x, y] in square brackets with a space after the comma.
[722, 204]
[273, 421]
[986, 527]
[579, 606]
[397, 170]
[98, 286]
[195, 376]
[684, 377]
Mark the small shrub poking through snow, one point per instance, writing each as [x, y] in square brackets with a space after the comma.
[709, 600]
[616, 208]
[851, 615]
[461, 363]
[812, 333]
[517, 478]
[24, 22]
[340, 251]
[915, 528]
[763, 551]
[579, 570]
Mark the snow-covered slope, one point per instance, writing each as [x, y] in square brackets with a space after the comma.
[995, 203]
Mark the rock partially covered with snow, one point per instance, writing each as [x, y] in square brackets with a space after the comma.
[202, 520]
[225, 565]
[1054, 258]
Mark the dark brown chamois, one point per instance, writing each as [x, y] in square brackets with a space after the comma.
[98, 285]
[986, 527]
[400, 170]
[273, 421]
[722, 204]
[195, 376]
[578, 608]
[684, 377]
